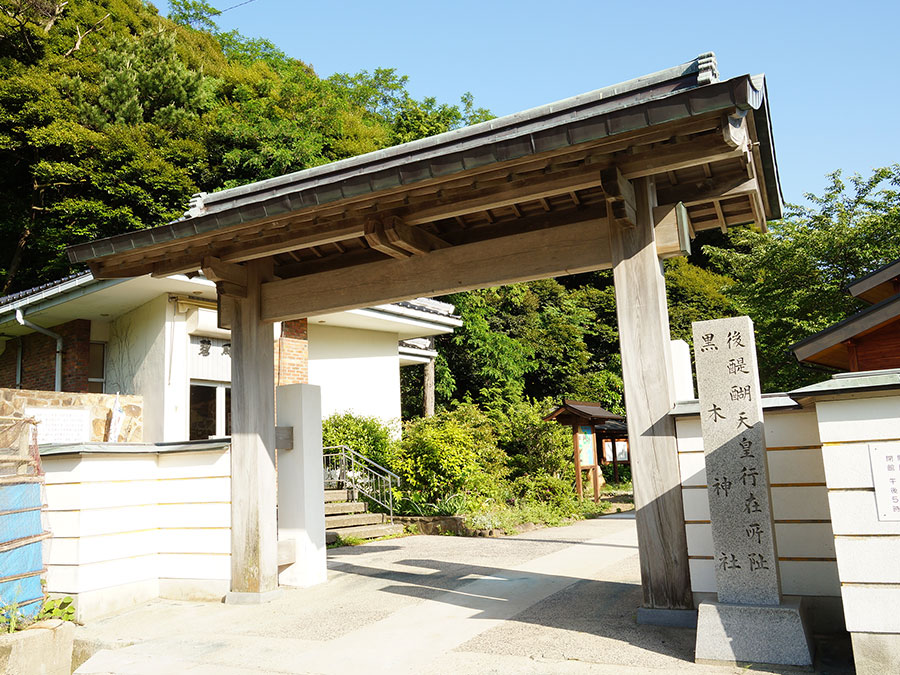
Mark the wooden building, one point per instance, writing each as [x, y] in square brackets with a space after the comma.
[868, 340]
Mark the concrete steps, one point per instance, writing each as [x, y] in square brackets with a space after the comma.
[346, 518]
[336, 508]
[353, 519]
[363, 532]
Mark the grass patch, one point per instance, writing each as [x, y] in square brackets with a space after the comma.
[346, 541]
[510, 518]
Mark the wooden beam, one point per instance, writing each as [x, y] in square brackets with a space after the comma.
[377, 239]
[620, 197]
[728, 185]
[723, 224]
[580, 246]
[219, 270]
[224, 312]
[263, 246]
[412, 239]
[677, 156]
[649, 397]
[230, 290]
[254, 537]
[512, 192]
[672, 231]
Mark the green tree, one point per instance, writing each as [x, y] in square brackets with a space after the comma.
[196, 14]
[791, 281]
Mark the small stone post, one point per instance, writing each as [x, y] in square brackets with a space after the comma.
[749, 623]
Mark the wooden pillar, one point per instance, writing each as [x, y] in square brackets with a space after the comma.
[254, 538]
[649, 396]
[429, 388]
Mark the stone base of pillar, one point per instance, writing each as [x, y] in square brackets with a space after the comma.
[758, 634]
[673, 618]
[240, 598]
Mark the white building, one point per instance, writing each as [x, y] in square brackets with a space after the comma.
[159, 338]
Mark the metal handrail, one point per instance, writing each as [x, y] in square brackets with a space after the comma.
[348, 469]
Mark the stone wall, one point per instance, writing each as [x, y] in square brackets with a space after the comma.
[14, 401]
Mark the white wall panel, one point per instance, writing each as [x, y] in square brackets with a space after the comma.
[860, 419]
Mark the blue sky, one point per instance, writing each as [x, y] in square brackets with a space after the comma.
[832, 68]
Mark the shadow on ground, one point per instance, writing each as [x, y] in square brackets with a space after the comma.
[584, 621]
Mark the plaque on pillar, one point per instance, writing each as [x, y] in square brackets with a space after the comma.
[750, 623]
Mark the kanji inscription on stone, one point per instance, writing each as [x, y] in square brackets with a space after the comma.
[740, 503]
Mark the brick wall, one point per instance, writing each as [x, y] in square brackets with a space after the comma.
[292, 353]
[39, 359]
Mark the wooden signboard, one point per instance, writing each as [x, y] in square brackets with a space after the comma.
[584, 441]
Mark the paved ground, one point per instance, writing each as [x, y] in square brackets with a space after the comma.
[559, 600]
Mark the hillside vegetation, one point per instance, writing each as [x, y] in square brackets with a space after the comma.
[111, 116]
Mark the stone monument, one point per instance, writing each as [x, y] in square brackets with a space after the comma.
[750, 623]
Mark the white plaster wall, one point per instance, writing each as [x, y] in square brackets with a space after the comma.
[136, 361]
[176, 389]
[126, 526]
[867, 548]
[358, 371]
[803, 531]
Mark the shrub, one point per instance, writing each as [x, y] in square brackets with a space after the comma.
[545, 489]
[369, 436]
[533, 445]
[448, 453]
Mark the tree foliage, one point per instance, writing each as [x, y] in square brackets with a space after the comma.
[111, 116]
[792, 281]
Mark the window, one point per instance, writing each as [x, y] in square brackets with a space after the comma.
[97, 368]
[210, 410]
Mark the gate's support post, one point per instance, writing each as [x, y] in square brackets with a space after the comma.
[649, 396]
[301, 485]
[254, 544]
[429, 388]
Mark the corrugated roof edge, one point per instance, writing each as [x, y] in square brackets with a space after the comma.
[13, 298]
[384, 168]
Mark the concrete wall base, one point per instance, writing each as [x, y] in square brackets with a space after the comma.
[759, 634]
[674, 618]
[90, 605]
[241, 598]
[876, 653]
[209, 590]
[45, 647]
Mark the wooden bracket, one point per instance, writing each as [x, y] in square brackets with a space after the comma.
[377, 239]
[734, 130]
[224, 311]
[619, 197]
[231, 279]
[398, 240]
[413, 239]
[672, 225]
[215, 269]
